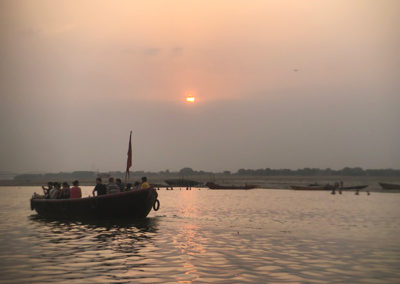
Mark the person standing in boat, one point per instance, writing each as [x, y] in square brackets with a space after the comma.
[145, 184]
[100, 188]
[120, 185]
[112, 187]
[75, 191]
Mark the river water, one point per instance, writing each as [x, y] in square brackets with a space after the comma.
[198, 236]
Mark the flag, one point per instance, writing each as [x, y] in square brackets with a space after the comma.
[129, 160]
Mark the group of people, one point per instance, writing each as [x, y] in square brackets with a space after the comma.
[55, 190]
[118, 186]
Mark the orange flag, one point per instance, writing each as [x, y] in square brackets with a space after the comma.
[129, 160]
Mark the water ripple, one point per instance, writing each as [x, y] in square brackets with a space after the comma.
[209, 236]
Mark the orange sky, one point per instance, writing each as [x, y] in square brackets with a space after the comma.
[218, 49]
[250, 53]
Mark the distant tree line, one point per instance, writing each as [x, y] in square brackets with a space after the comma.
[90, 175]
[347, 171]
[62, 176]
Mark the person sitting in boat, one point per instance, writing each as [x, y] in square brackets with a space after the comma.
[46, 190]
[112, 187]
[65, 190]
[128, 187]
[55, 192]
[121, 186]
[136, 185]
[75, 191]
[145, 184]
[100, 188]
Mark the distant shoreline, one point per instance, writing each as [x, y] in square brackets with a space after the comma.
[267, 182]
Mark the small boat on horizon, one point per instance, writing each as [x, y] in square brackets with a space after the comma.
[312, 187]
[389, 185]
[316, 186]
[353, 187]
[129, 204]
[179, 182]
[212, 185]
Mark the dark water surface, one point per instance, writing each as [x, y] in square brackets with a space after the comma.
[256, 236]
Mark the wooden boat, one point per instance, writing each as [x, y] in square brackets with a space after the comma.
[182, 182]
[130, 204]
[389, 185]
[212, 185]
[353, 187]
[315, 187]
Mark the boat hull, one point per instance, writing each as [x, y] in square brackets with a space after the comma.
[182, 182]
[389, 185]
[212, 185]
[296, 187]
[131, 204]
[353, 187]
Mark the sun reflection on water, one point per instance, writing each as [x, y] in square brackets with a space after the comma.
[188, 240]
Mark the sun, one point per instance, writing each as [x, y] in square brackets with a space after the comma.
[190, 99]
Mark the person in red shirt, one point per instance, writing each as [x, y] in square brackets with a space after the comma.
[75, 191]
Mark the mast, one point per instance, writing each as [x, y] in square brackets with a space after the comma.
[129, 158]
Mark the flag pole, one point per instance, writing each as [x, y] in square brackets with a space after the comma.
[129, 158]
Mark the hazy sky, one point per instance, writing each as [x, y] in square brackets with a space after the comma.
[280, 84]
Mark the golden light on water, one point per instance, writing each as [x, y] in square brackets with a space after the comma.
[190, 99]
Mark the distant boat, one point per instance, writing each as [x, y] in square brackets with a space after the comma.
[182, 182]
[212, 185]
[129, 204]
[313, 187]
[389, 185]
[353, 187]
[316, 186]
